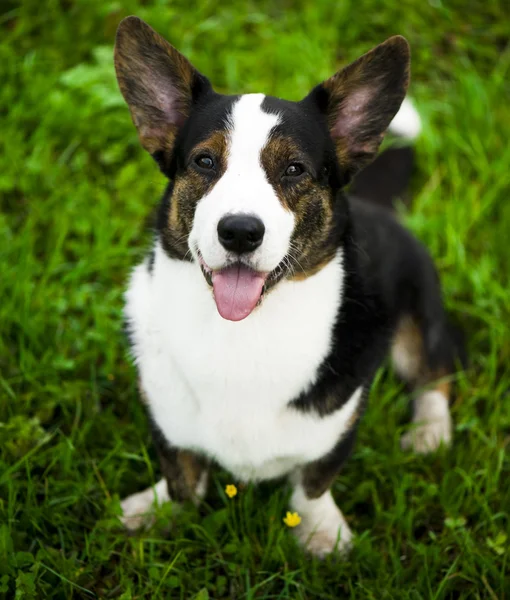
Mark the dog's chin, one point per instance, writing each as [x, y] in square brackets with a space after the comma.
[238, 288]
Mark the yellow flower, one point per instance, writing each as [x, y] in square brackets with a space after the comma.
[292, 519]
[231, 491]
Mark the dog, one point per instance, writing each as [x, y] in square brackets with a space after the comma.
[270, 297]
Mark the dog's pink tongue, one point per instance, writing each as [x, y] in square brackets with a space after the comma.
[237, 290]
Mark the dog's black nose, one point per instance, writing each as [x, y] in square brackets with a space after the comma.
[240, 233]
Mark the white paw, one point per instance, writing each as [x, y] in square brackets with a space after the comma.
[432, 424]
[134, 516]
[138, 509]
[427, 437]
[324, 541]
[323, 528]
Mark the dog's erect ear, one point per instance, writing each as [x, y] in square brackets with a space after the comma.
[159, 84]
[361, 100]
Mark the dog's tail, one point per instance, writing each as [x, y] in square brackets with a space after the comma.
[387, 178]
[407, 122]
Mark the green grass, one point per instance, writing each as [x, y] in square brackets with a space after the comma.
[75, 193]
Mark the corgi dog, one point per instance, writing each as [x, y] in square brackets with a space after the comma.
[270, 297]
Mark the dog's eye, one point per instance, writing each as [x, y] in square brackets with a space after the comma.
[204, 162]
[294, 170]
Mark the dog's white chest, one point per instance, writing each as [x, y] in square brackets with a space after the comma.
[222, 387]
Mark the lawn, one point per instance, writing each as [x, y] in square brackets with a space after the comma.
[76, 194]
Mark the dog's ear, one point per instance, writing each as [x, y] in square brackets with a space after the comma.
[361, 100]
[159, 84]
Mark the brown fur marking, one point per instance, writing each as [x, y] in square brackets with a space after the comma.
[189, 188]
[409, 341]
[276, 155]
[182, 470]
[444, 387]
[310, 200]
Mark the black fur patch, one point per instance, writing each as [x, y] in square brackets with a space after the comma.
[386, 179]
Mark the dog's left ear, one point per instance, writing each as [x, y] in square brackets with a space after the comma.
[361, 100]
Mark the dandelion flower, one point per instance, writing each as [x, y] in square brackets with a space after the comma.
[292, 519]
[231, 491]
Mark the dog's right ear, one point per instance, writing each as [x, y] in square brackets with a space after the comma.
[159, 84]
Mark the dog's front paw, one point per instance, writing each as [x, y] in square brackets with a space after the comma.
[138, 509]
[323, 528]
[325, 540]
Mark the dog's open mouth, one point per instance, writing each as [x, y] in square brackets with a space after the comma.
[237, 289]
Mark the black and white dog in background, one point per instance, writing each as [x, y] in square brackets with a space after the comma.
[270, 298]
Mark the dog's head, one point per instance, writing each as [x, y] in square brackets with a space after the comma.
[256, 179]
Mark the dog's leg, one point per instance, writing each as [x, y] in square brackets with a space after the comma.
[432, 423]
[184, 478]
[137, 509]
[424, 357]
[323, 528]
[186, 474]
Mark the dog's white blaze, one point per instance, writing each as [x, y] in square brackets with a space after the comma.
[224, 388]
[244, 188]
